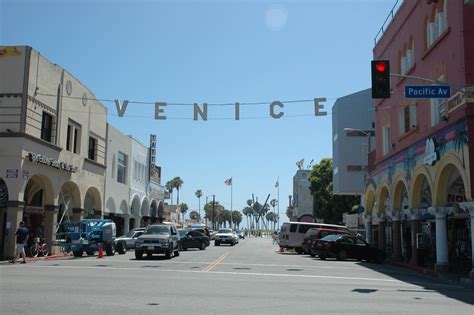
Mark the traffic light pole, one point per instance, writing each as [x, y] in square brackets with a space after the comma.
[426, 80]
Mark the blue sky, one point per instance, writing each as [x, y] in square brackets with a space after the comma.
[214, 52]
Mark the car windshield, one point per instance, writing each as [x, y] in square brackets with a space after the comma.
[158, 229]
[332, 237]
[182, 232]
[224, 231]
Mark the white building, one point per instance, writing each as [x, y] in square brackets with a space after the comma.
[302, 198]
[117, 183]
[52, 146]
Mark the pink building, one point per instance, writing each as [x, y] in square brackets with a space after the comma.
[418, 196]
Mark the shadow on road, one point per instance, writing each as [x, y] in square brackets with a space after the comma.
[450, 289]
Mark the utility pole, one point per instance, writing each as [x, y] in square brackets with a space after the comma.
[213, 215]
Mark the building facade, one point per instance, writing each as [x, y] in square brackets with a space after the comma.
[350, 148]
[52, 147]
[419, 195]
[302, 198]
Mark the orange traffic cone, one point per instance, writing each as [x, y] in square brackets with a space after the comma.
[101, 252]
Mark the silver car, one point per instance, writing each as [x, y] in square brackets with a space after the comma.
[128, 240]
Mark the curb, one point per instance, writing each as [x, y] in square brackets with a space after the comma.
[32, 259]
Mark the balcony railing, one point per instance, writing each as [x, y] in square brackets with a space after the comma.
[389, 18]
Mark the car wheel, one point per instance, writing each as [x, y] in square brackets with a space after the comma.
[203, 246]
[322, 257]
[176, 252]
[121, 248]
[138, 255]
[342, 255]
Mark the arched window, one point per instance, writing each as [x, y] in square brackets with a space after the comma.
[437, 24]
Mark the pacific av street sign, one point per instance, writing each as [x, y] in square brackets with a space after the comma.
[424, 91]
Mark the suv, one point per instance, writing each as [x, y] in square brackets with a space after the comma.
[225, 236]
[158, 239]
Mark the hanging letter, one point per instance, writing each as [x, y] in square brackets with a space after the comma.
[121, 109]
[272, 109]
[318, 106]
[237, 111]
[159, 110]
[202, 113]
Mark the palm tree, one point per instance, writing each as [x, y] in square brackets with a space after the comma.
[183, 209]
[198, 194]
[177, 183]
[461, 139]
[169, 187]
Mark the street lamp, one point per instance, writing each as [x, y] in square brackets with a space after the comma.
[352, 132]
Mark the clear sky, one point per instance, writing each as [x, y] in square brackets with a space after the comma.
[214, 52]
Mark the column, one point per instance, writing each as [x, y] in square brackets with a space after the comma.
[14, 216]
[126, 223]
[368, 228]
[382, 224]
[77, 215]
[442, 260]
[415, 229]
[471, 212]
[397, 249]
[50, 219]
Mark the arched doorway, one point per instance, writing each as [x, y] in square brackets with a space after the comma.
[92, 203]
[425, 230]
[145, 212]
[153, 211]
[69, 199]
[402, 234]
[135, 210]
[38, 193]
[383, 205]
[161, 212]
[3, 216]
[451, 190]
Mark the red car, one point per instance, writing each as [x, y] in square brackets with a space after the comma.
[314, 234]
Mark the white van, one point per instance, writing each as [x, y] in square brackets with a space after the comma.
[292, 233]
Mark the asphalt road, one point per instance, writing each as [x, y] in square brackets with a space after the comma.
[249, 278]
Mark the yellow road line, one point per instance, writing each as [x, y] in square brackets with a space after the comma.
[215, 262]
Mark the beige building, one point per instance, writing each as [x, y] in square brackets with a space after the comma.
[52, 147]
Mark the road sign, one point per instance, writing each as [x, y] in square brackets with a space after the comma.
[424, 91]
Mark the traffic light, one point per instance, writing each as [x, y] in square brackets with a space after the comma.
[380, 79]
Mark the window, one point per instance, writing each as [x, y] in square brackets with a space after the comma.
[121, 168]
[46, 127]
[293, 228]
[92, 151]
[407, 57]
[386, 138]
[407, 118]
[437, 107]
[73, 137]
[437, 24]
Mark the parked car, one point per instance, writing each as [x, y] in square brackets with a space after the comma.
[240, 234]
[344, 247]
[212, 234]
[158, 239]
[314, 234]
[225, 236]
[194, 239]
[128, 240]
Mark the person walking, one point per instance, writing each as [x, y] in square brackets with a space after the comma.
[21, 239]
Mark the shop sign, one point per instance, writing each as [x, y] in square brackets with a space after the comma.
[12, 173]
[38, 158]
[151, 165]
[34, 210]
[456, 100]
[430, 152]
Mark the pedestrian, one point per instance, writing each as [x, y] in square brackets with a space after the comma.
[275, 237]
[21, 239]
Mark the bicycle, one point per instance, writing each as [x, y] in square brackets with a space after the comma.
[40, 247]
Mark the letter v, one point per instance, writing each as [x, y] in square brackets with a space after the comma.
[121, 109]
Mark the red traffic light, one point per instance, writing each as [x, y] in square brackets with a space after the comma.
[381, 67]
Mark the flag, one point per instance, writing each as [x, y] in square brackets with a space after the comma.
[277, 183]
[228, 182]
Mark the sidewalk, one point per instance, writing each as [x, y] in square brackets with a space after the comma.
[447, 276]
[32, 259]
